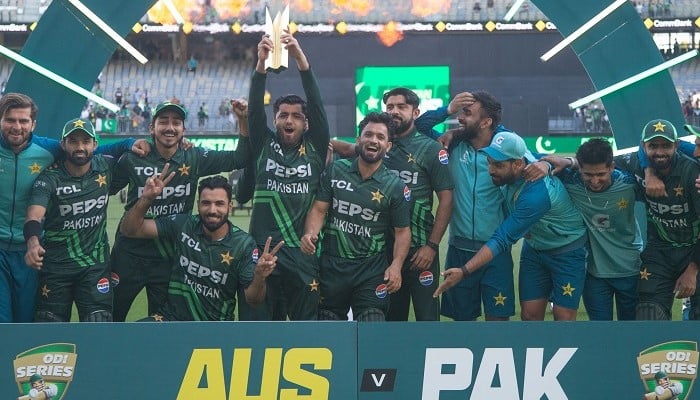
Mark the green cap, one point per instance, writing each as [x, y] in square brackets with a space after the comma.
[695, 130]
[36, 378]
[170, 106]
[78, 124]
[659, 128]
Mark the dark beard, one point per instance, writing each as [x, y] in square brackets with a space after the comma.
[79, 162]
[212, 227]
[466, 133]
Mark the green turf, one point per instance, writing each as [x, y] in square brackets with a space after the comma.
[241, 219]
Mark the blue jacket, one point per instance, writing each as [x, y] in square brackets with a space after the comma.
[17, 175]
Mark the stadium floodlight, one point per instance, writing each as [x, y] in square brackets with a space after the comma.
[57, 78]
[633, 79]
[109, 31]
[513, 9]
[582, 29]
[176, 14]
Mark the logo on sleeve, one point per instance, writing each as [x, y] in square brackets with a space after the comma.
[256, 254]
[407, 193]
[443, 157]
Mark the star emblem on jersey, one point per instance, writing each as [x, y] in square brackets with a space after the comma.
[101, 180]
[314, 286]
[568, 290]
[644, 274]
[157, 317]
[411, 158]
[678, 190]
[78, 124]
[184, 169]
[45, 291]
[302, 150]
[500, 299]
[622, 204]
[226, 258]
[659, 127]
[377, 196]
[35, 168]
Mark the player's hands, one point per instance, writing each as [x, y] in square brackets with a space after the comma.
[186, 144]
[653, 186]
[459, 102]
[34, 257]
[268, 259]
[240, 108]
[686, 284]
[559, 163]
[451, 277]
[141, 147]
[423, 258]
[536, 171]
[446, 139]
[155, 183]
[308, 243]
[392, 278]
[264, 48]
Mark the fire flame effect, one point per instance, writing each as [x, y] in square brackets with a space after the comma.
[390, 34]
[423, 8]
[228, 9]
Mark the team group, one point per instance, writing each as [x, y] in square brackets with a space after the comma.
[339, 226]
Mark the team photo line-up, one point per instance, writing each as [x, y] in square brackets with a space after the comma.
[339, 227]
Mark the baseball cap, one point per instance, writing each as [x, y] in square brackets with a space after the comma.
[78, 124]
[170, 106]
[659, 128]
[507, 145]
[695, 130]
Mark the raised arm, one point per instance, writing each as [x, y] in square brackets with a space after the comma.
[134, 224]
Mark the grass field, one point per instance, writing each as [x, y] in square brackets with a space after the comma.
[241, 219]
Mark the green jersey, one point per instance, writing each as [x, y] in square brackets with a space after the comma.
[75, 224]
[671, 220]
[422, 164]
[206, 273]
[286, 179]
[613, 233]
[179, 195]
[362, 211]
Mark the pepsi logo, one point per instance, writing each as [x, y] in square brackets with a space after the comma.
[256, 255]
[443, 157]
[407, 193]
[425, 278]
[381, 291]
[103, 285]
[115, 279]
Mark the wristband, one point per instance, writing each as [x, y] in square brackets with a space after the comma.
[574, 162]
[32, 228]
[433, 246]
[465, 271]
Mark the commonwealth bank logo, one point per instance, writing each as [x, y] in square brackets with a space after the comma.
[668, 370]
[45, 372]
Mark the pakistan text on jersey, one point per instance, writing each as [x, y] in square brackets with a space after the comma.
[293, 188]
[166, 209]
[671, 223]
[349, 227]
[204, 290]
[82, 223]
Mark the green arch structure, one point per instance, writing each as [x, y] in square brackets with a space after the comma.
[67, 43]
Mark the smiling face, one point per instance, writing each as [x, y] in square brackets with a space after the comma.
[291, 123]
[214, 207]
[17, 126]
[79, 148]
[373, 142]
[596, 177]
[660, 152]
[471, 120]
[167, 130]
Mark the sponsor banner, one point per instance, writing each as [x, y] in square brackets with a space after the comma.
[345, 360]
